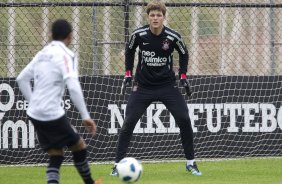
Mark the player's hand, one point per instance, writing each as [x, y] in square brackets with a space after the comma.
[90, 126]
[126, 81]
[185, 83]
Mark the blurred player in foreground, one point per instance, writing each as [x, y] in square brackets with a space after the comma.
[155, 81]
[53, 68]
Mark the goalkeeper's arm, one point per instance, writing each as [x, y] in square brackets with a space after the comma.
[183, 65]
[129, 62]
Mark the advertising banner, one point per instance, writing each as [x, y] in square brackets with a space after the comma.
[231, 116]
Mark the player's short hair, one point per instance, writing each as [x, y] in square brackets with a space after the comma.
[61, 29]
[156, 5]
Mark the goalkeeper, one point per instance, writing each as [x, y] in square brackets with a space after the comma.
[53, 68]
[155, 80]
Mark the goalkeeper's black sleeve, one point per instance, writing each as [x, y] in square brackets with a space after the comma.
[130, 53]
[183, 56]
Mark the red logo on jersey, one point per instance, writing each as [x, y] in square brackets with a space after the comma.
[165, 45]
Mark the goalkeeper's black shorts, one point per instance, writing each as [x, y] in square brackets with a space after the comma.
[55, 134]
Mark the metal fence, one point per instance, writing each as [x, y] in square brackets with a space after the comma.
[223, 37]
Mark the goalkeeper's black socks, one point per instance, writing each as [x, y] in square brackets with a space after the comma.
[82, 166]
[52, 173]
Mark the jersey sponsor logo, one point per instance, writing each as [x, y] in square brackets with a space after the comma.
[148, 53]
[150, 59]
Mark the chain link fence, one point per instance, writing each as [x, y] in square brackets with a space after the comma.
[223, 37]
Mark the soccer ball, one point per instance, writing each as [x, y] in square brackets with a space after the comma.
[129, 170]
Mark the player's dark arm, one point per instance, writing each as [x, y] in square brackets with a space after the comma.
[183, 61]
[129, 61]
[183, 65]
[130, 52]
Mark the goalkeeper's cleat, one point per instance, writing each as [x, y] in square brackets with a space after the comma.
[193, 169]
[114, 171]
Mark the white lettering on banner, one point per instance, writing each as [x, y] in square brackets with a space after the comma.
[248, 114]
[210, 123]
[115, 113]
[194, 117]
[279, 118]
[160, 128]
[232, 108]
[155, 118]
[66, 104]
[268, 123]
[21, 104]
[31, 134]
[1, 117]
[10, 103]
[9, 127]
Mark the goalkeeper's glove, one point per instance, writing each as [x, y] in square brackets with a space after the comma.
[126, 81]
[127, 78]
[185, 83]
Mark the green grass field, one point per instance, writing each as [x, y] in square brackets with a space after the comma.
[245, 171]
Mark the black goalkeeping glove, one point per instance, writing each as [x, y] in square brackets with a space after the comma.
[126, 81]
[185, 83]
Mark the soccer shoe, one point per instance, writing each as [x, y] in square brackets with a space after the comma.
[114, 171]
[193, 169]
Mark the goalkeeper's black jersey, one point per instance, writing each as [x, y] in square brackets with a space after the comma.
[155, 56]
